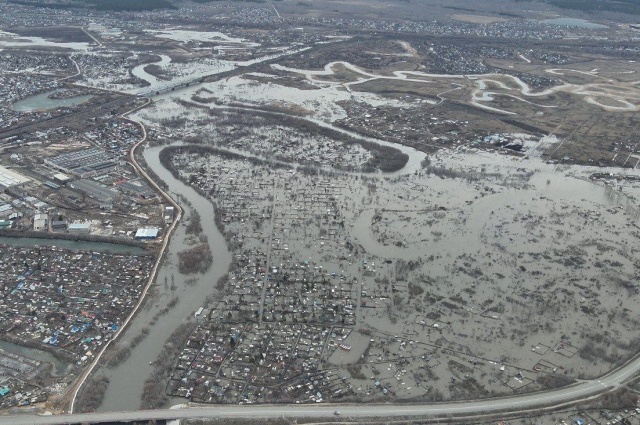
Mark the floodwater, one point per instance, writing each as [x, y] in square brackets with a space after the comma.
[59, 366]
[413, 164]
[139, 71]
[127, 379]
[546, 183]
[574, 22]
[176, 78]
[42, 102]
[74, 245]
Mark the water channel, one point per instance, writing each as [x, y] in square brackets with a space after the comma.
[59, 366]
[43, 102]
[139, 71]
[112, 248]
[127, 379]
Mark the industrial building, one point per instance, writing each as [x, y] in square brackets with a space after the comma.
[61, 178]
[168, 214]
[84, 163]
[82, 228]
[9, 178]
[59, 225]
[147, 233]
[41, 222]
[137, 188]
[36, 203]
[93, 190]
[5, 209]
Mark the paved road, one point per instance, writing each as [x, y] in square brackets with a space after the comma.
[579, 391]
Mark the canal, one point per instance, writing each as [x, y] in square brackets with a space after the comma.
[60, 367]
[112, 248]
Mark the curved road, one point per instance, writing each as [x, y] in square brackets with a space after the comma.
[538, 401]
[75, 388]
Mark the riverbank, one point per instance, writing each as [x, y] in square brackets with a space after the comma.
[22, 346]
[97, 242]
[76, 388]
[127, 379]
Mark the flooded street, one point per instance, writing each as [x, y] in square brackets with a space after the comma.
[452, 251]
[127, 379]
[236, 212]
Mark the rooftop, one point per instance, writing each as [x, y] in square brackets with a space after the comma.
[147, 232]
[10, 178]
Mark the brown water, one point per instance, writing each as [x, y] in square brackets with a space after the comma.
[127, 379]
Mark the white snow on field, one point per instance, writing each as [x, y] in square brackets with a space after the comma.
[181, 73]
[186, 36]
[189, 72]
[104, 30]
[322, 102]
[9, 39]
[590, 91]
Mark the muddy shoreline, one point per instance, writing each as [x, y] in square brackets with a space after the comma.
[76, 238]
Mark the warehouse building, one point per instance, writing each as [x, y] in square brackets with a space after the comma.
[9, 178]
[81, 228]
[168, 214]
[84, 163]
[94, 190]
[41, 222]
[147, 233]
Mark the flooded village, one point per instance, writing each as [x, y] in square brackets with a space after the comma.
[407, 288]
[286, 208]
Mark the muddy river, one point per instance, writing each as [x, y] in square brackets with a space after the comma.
[59, 367]
[139, 71]
[127, 379]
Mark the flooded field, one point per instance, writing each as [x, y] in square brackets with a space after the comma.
[352, 285]
[421, 273]
[391, 232]
[373, 203]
